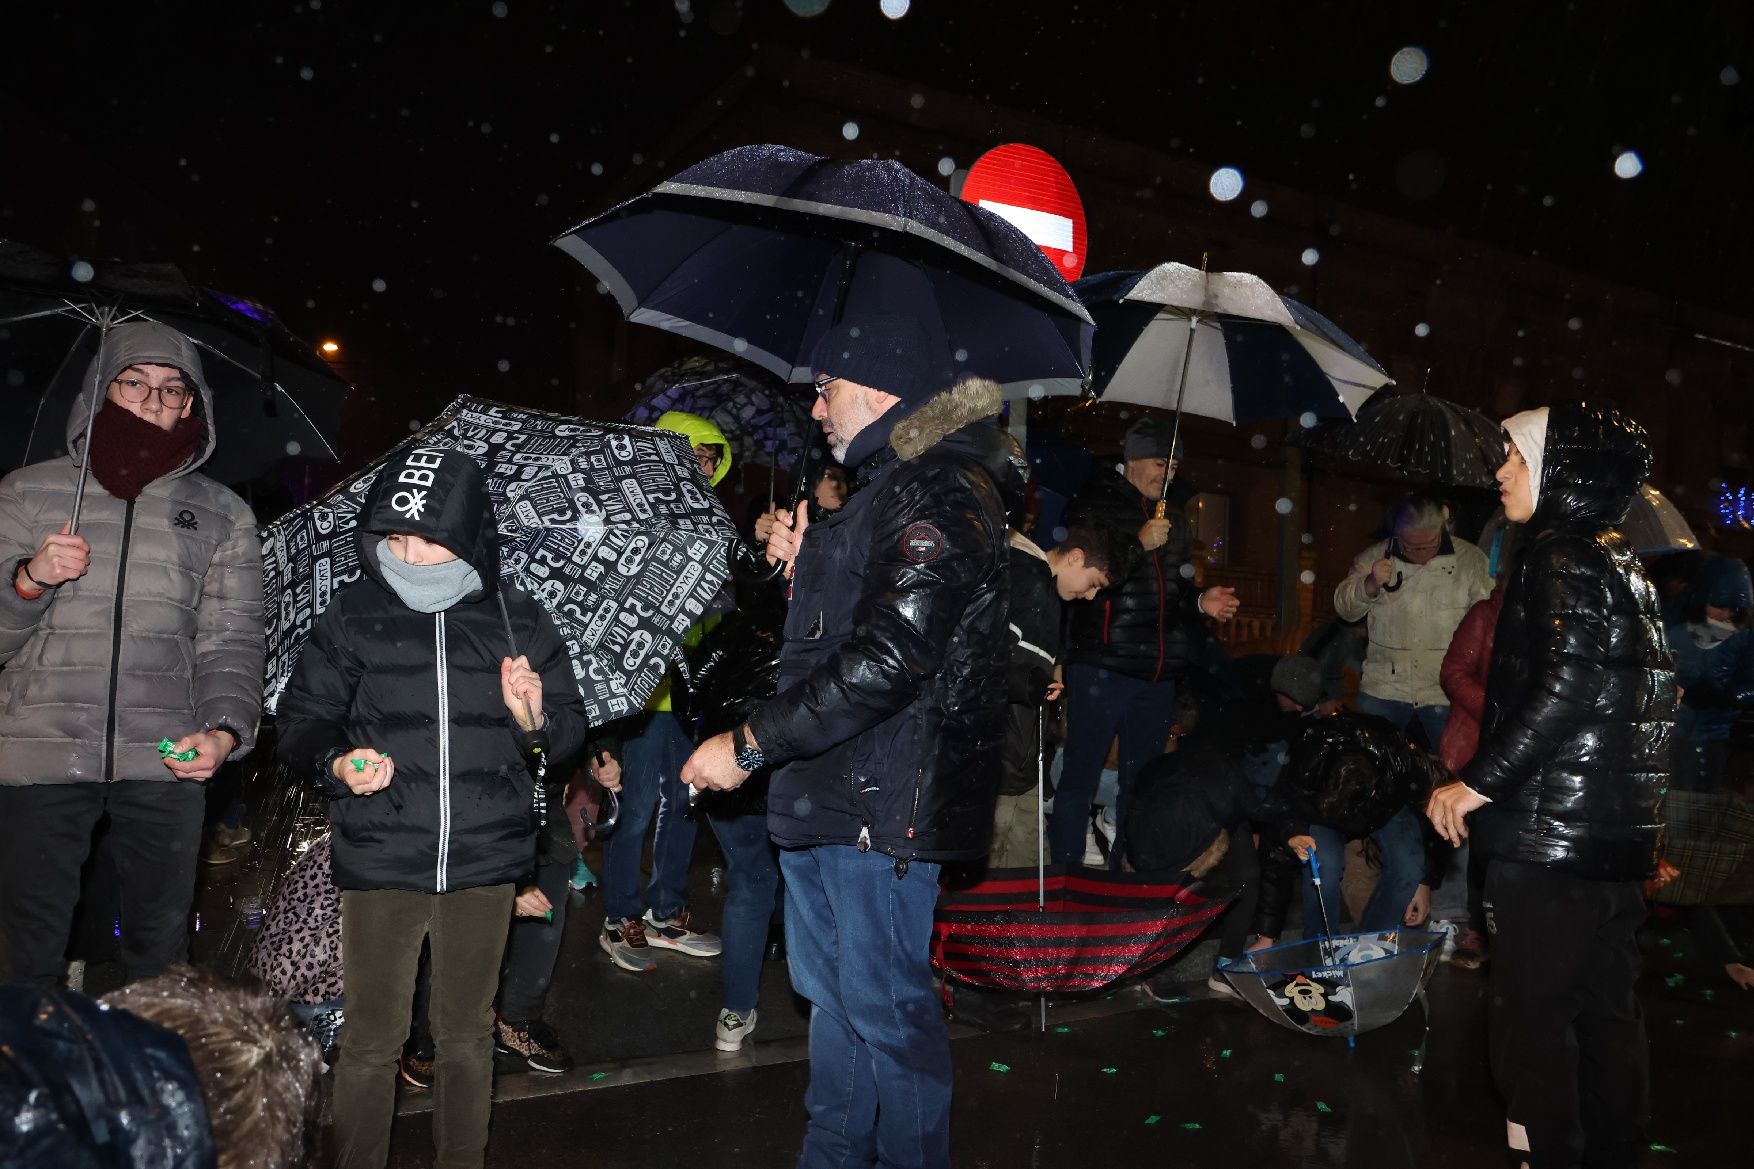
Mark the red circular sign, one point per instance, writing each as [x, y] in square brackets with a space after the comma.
[1026, 187]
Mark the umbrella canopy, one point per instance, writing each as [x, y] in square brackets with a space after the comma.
[759, 250]
[1416, 434]
[612, 528]
[1244, 351]
[1342, 985]
[1654, 525]
[764, 421]
[1097, 927]
[273, 397]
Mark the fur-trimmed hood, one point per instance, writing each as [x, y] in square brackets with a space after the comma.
[966, 402]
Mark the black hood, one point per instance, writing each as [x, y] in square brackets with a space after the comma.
[436, 493]
[1592, 464]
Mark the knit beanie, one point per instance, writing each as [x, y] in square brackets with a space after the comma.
[1150, 438]
[887, 352]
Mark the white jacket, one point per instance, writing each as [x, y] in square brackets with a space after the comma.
[1411, 627]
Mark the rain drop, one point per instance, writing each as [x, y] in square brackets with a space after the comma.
[1037, 391]
[1629, 165]
[961, 356]
[1187, 571]
[1225, 183]
[503, 365]
[1409, 65]
[414, 424]
[1309, 537]
[1282, 505]
[1574, 324]
[305, 72]
[596, 168]
[917, 101]
[894, 9]
[1310, 257]
[1258, 441]
[82, 272]
[1258, 209]
[946, 166]
[487, 127]
[88, 205]
[1729, 76]
[499, 9]
[807, 7]
[1307, 419]
[740, 344]
[554, 137]
[293, 447]
[1422, 330]
[378, 285]
[1672, 376]
[1307, 576]
[849, 131]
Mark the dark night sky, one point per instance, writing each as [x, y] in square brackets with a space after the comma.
[296, 153]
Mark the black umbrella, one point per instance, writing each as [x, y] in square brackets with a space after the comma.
[759, 250]
[764, 420]
[273, 397]
[1416, 434]
[611, 527]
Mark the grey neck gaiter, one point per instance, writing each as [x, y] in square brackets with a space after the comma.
[427, 588]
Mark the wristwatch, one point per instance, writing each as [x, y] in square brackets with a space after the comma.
[748, 758]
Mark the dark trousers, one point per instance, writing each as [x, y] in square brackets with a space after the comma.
[45, 837]
[1565, 1026]
[1099, 707]
[381, 934]
[533, 948]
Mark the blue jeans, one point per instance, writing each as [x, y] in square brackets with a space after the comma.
[753, 874]
[1431, 718]
[1100, 704]
[651, 779]
[858, 939]
[1403, 868]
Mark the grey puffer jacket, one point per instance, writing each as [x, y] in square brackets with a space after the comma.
[161, 638]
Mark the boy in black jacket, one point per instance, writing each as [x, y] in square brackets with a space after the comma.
[421, 704]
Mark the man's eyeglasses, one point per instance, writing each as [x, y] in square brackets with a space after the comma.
[822, 383]
[171, 396]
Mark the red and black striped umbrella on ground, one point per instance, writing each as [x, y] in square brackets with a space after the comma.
[1091, 929]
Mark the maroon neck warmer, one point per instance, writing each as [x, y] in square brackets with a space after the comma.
[128, 452]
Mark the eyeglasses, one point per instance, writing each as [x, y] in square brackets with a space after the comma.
[822, 383]
[171, 395]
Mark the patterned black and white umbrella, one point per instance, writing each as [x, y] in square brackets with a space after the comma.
[611, 527]
[765, 421]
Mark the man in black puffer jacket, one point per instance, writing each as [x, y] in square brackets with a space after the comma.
[1567, 783]
[1134, 640]
[887, 723]
[413, 711]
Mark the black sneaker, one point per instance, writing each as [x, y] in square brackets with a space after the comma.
[415, 1068]
[535, 1043]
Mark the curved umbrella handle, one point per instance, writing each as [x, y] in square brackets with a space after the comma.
[747, 566]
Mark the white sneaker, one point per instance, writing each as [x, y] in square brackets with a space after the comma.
[1220, 986]
[733, 1029]
[1093, 856]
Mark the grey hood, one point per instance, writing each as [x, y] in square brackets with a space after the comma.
[142, 343]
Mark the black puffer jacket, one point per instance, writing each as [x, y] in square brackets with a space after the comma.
[424, 688]
[892, 680]
[1148, 625]
[1349, 772]
[1580, 701]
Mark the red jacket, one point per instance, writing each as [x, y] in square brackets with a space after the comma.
[1464, 679]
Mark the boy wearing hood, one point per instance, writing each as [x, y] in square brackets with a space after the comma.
[425, 705]
[1565, 790]
[144, 625]
[1714, 666]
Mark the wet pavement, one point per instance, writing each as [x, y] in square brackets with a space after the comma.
[1116, 1080]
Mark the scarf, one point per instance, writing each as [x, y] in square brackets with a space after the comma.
[427, 588]
[128, 452]
[1709, 634]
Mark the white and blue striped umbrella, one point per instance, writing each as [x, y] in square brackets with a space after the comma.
[1245, 351]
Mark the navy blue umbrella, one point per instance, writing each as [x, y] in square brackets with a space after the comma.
[761, 249]
[1221, 345]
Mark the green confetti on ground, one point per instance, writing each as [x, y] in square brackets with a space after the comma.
[1225, 1054]
[1191, 1125]
[1153, 1119]
[1708, 993]
[1278, 1077]
[599, 1075]
[998, 1067]
[1322, 1107]
[1664, 942]
[1661, 1149]
[1062, 1030]
[1733, 1034]
[1678, 1022]
[1158, 1033]
[1674, 980]
[1110, 1071]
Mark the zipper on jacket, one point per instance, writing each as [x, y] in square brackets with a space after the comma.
[116, 642]
[442, 876]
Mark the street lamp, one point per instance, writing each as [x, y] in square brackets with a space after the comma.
[330, 348]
